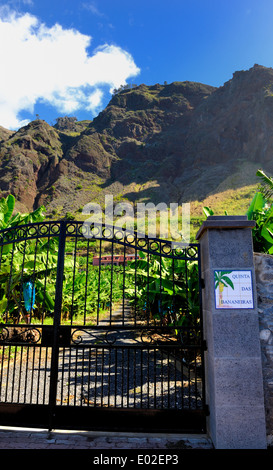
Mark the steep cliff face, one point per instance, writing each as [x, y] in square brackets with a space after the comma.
[164, 143]
[28, 159]
[237, 120]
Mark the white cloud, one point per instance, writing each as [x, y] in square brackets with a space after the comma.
[92, 7]
[53, 65]
[94, 100]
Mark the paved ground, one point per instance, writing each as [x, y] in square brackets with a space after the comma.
[124, 450]
[21, 438]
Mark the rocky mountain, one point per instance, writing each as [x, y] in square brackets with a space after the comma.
[179, 142]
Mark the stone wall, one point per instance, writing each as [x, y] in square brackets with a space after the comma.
[264, 282]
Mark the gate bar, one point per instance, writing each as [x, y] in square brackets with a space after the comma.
[56, 323]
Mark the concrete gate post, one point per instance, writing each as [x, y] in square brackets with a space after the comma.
[233, 367]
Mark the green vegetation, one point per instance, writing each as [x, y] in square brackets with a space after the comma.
[124, 87]
[8, 219]
[33, 262]
[166, 290]
[261, 211]
[160, 288]
[87, 291]
[20, 260]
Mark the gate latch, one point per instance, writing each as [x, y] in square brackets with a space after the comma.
[48, 333]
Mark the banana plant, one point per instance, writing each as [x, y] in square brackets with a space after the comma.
[6, 210]
[9, 219]
[20, 261]
[166, 289]
[35, 265]
[261, 210]
[267, 184]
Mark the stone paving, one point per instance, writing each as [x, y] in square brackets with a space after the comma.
[23, 438]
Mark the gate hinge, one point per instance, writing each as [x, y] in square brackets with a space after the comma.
[206, 409]
[202, 282]
[204, 345]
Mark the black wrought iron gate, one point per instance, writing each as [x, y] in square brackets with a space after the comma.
[100, 330]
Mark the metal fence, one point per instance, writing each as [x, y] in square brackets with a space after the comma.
[99, 330]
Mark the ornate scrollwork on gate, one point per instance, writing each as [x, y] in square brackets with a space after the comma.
[143, 337]
[169, 337]
[155, 337]
[19, 334]
[132, 239]
[4, 333]
[29, 231]
[101, 231]
[78, 338]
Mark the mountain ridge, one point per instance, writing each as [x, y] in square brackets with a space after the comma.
[178, 142]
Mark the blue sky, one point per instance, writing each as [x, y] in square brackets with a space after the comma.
[63, 57]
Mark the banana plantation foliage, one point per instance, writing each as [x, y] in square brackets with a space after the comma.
[164, 290]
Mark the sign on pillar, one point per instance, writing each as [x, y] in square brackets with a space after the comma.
[233, 289]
